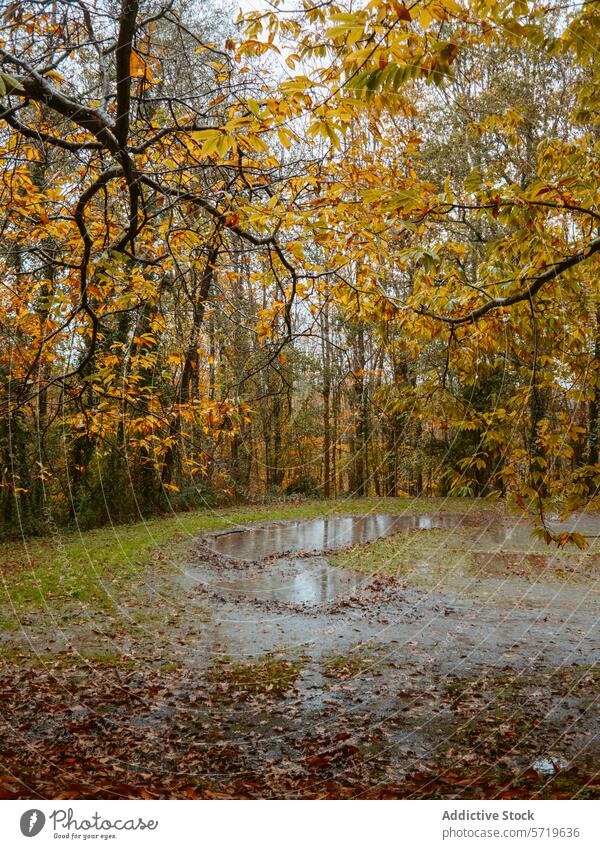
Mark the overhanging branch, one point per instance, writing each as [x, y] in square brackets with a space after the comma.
[522, 294]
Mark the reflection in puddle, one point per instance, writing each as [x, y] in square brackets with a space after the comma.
[318, 535]
[550, 765]
[301, 580]
[295, 581]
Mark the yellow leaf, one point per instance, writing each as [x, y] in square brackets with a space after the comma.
[138, 67]
[283, 138]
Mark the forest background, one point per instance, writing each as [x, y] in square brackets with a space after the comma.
[333, 249]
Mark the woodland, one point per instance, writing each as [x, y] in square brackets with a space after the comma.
[295, 260]
[335, 250]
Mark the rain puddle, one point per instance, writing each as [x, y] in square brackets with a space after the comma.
[550, 765]
[318, 535]
[299, 580]
[294, 581]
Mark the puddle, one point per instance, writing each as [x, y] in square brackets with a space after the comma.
[275, 571]
[549, 765]
[319, 535]
[300, 580]
[295, 581]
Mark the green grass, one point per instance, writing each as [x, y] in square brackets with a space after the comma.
[270, 675]
[65, 660]
[350, 665]
[95, 567]
[398, 556]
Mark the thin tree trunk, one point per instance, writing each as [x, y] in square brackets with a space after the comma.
[594, 404]
[326, 353]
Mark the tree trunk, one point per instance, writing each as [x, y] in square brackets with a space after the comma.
[594, 403]
[326, 354]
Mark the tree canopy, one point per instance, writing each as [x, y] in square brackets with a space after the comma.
[328, 248]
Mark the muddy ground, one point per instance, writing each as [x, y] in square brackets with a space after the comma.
[454, 658]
